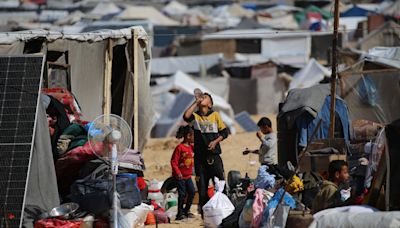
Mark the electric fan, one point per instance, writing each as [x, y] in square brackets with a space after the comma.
[110, 137]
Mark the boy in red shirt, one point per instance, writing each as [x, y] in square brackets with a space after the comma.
[182, 169]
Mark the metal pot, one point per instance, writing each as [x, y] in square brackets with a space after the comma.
[65, 211]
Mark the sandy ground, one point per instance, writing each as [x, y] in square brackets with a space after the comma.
[157, 154]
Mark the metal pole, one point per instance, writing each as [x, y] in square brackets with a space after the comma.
[334, 71]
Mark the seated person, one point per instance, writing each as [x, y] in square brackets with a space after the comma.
[330, 195]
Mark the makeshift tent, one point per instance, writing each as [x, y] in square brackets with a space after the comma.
[385, 55]
[283, 22]
[171, 107]
[309, 75]
[279, 10]
[371, 90]
[330, 7]
[299, 116]
[92, 69]
[388, 35]
[237, 10]
[302, 16]
[146, 12]
[186, 64]
[393, 10]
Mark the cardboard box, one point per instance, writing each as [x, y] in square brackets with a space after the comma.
[318, 162]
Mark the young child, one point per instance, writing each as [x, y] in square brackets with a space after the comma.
[182, 168]
[329, 195]
[268, 152]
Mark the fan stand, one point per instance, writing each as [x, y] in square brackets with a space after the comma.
[114, 171]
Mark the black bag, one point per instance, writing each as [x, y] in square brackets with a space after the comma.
[312, 183]
[94, 193]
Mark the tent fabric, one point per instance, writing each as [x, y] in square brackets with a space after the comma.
[146, 12]
[306, 124]
[283, 22]
[237, 10]
[280, 10]
[309, 75]
[393, 10]
[307, 97]
[186, 64]
[50, 36]
[389, 219]
[302, 16]
[386, 55]
[102, 9]
[386, 108]
[355, 11]
[42, 191]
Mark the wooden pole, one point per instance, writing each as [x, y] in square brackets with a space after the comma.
[107, 78]
[135, 90]
[334, 71]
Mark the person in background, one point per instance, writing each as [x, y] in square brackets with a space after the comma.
[209, 131]
[268, 151]
[182, 169]
[332, 192]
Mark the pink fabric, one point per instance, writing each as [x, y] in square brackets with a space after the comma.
[258, 208]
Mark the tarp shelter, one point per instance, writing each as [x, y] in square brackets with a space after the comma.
[100, 83]
[170, 106]
[371, 90]
[393, 10]
[186, 64]
[299, 116]
[388, 35]
[175, 9]
[147, 13]
[309, 75]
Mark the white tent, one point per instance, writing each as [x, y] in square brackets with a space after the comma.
[146, 12]
[309, 75]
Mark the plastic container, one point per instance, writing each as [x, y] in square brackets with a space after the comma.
[171, 200]
[155, 193]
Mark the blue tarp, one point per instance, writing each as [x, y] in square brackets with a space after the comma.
[355, 11]
[307, 123]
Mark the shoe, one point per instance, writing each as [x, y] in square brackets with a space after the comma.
[189, 215]
[179, 217]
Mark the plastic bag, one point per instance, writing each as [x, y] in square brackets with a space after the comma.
[218, 207]
[264, 180]
[141, 212]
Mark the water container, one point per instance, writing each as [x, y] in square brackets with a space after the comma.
[155, 193]
[171, 200]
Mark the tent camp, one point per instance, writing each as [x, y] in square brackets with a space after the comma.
[172, 96]
[103, 74]
[103, 9]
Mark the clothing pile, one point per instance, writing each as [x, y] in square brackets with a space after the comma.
[269, 204]
[82, 177]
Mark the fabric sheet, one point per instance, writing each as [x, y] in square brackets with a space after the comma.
[42, 189]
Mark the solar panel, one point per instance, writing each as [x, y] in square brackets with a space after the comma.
[245, 121]
[20, 79]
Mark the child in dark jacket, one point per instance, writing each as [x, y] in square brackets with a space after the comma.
[182, 168]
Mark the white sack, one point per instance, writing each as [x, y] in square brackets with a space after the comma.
[218, 207]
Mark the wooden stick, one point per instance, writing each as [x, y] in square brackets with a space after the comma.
[135, 90]
[107, 78]
[334, 68]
